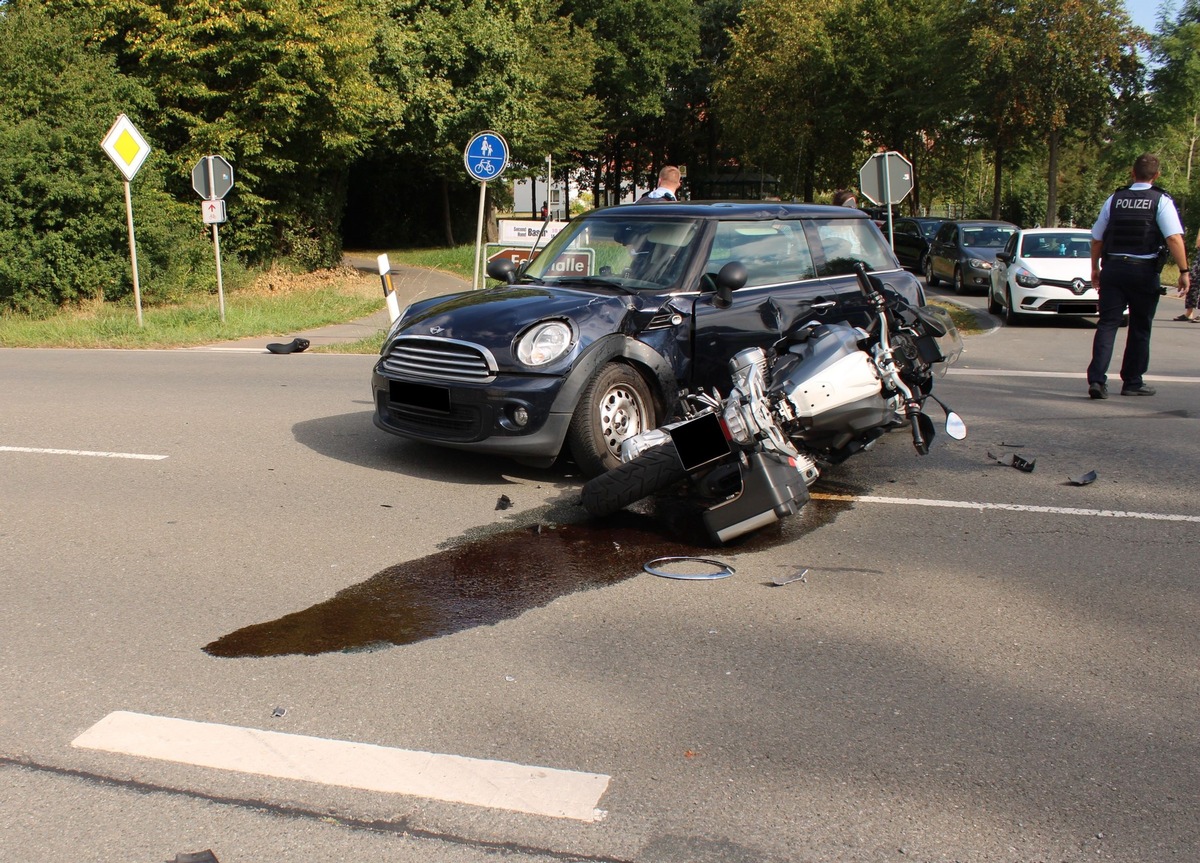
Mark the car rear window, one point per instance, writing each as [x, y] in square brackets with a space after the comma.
[846, 242]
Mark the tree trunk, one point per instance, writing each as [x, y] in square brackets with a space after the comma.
[997, 177]
[1052, 181]
[444, 188]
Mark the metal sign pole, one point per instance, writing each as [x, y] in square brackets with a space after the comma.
[137, 288]
[212, 185]
[887, 185]
[479, 236]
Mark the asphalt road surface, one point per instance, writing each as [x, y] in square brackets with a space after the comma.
[233, 613]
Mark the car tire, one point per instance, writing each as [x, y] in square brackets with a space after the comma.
[1011, 318]
[656, 469]
[615, 405]
[993, 306]
[960, 287]
[930, 278]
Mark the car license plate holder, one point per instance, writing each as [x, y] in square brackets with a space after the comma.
[700, 441]
[423, 396]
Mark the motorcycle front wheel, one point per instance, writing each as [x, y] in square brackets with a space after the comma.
[652, 471]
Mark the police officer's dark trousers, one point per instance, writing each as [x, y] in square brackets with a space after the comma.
[1136, 286]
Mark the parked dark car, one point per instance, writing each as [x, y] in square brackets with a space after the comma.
[910, 242]
[591, 341]
[964, 253]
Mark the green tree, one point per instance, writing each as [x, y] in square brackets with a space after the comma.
[645, 47]
[282, 88]
[461, 66]
[62, 227]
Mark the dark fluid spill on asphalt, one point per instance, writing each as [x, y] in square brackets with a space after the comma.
[492, 579]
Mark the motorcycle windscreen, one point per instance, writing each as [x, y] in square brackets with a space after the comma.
[700, 441]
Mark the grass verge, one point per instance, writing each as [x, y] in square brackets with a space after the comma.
[278, 303]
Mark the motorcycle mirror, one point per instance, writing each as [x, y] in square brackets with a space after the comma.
[955, 427]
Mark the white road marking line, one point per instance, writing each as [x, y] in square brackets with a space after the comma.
[453, 778]
[1010, 507]
[1011, 373]
[45, 451]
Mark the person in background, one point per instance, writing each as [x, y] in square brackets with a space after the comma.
[845, 198]
[1134, 224]
[669, 181]
[1192, 297]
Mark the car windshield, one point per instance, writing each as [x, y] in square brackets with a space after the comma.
[847, 242]
[985, 236]
[1072, 245]
[645, 254]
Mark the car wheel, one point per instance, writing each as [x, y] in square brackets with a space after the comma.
[930, 278]
[993, 305]
[616, 405]
[1011, 318]
[960, 287]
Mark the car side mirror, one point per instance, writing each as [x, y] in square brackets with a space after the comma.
[502, 270]
[1003, 256]
[731, 277]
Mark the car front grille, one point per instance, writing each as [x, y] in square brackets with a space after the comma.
[440, 359]
[1067, 283]
[462, 423]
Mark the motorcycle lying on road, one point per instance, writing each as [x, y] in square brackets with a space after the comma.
[821, 394]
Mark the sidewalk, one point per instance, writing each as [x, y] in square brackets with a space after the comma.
[409, 283]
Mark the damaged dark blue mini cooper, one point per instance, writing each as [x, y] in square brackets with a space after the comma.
[592, 341]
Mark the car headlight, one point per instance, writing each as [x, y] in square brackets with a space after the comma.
[978, 264]
[544, 343]
[1026, 279]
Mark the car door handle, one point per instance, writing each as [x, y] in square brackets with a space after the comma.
[824, 306]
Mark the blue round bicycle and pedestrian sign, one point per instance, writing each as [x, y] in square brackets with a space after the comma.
[486, 156]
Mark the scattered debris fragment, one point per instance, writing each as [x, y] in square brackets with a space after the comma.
[205, 856]
[503, 502]
[279, 712]
[295, 346]
[1016, 461]
[1084, 479]
[799, 575]
[659, 564]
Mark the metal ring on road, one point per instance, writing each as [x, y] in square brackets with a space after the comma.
[724, 570]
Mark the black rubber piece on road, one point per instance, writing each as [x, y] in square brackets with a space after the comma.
[295, 346]
[654, 470]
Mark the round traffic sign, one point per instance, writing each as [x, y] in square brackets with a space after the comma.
[486, 156]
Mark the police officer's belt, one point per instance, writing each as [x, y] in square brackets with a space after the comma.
[1130, 259]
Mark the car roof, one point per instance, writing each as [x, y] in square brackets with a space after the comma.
[1056, 230]
[985, 223]
[737, 210]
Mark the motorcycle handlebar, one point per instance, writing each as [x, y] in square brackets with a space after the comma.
[864, 281]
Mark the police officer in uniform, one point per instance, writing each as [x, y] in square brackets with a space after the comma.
[1134, 224]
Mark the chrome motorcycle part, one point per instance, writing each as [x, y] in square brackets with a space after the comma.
[656, 567]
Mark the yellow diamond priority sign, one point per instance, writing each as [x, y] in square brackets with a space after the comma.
[125, 146]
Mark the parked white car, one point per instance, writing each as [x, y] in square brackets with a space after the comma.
[1044, 272]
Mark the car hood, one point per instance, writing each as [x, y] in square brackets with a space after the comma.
[981, 253]
[1059, 269]
[493, 317]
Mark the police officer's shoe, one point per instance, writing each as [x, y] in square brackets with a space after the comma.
[1097, 391]
[1138, 390]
